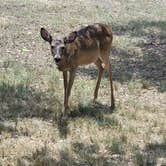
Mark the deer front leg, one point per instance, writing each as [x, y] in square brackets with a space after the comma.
[68, 89]
[100, 73]
[65, 82]
[71, 81]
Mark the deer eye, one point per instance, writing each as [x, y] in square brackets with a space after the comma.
[63, 48]
[52, 47]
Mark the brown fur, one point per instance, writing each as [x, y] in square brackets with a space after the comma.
[90, 44]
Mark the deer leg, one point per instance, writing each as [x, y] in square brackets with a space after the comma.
[65, 81]
[107, 65]
[100, 73]
[111, 84]
[68, 90]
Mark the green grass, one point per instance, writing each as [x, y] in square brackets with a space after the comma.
[31, 88]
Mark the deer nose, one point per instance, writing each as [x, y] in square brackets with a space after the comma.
[57, 59]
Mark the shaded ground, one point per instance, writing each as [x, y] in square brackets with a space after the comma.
[21, 102]
[146, 59]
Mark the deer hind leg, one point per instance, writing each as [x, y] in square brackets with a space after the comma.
[100, 73]
[107, 65]
[111, 84]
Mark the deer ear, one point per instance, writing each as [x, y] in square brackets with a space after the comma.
[45, 35]
[72, 36]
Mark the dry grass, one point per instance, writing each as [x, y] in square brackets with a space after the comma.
[31, 90]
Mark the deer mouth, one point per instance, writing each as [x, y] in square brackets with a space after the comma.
[62, 68]
[57, 63]
[59, 67]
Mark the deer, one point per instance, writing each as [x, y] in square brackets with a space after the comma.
[90, 44]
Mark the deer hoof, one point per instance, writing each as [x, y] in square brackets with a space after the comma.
[112, 107]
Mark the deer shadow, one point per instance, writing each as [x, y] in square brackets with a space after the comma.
[18, 102]
[92, 111]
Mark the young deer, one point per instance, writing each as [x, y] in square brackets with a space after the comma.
[90, 44]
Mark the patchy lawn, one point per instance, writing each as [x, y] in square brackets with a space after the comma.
[31, 91]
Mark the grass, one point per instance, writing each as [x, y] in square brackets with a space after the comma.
[31, 88]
